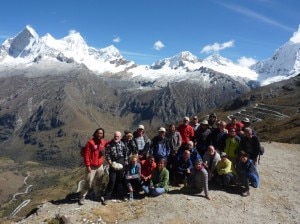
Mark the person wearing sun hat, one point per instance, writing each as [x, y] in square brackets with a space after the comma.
[160, 147]
[247, 124]
[224, 170]
[247, 173]
[250, 144]
[203, 137]
[129, 143]
[186, 131]
[142, 141]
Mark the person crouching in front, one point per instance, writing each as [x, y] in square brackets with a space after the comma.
[198, 180]
[247, 173]
[159, 182]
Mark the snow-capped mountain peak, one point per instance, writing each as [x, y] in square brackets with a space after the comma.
[20, 45]
[74, 41]
[110, 52]
[184, 59]
[223, 65]
[284, 64]
[28, 48]
[218, 59]
[32, 32]
[185, 56]
[296, 36]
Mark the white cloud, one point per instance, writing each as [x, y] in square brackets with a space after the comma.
[158, 45]
[246, 62]
[296, 36]
[117, 40]
[217, 47]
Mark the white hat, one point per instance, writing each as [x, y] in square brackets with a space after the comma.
[162, 129]
[141, 127]
[223, 154]
[246, 120]
[204, 122]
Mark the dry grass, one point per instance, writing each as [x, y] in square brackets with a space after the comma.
[125, 212]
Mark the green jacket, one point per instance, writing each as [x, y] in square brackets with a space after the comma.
[231, 146]
[160, 179]
[224, 167]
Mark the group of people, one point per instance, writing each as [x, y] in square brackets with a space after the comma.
[193, 154]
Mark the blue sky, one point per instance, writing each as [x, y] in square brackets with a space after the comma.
[148, 30]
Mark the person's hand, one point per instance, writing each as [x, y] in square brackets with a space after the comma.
[89, 169]
[188, 170]
[128, 177]
[101, 153]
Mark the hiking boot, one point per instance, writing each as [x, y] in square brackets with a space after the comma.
[81, 201]
[102, 200]
[246, 193]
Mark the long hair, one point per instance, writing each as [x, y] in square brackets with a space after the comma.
[98, 129]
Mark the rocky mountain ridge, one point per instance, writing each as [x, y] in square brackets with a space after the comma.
[54, 114]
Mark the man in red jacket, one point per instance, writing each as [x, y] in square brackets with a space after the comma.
[93, 157]
[186, 131]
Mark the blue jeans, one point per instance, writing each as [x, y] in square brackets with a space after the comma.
[154, 191]
[254, 179]
[245, 178]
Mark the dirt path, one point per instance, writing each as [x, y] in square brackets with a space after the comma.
[276, 201]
